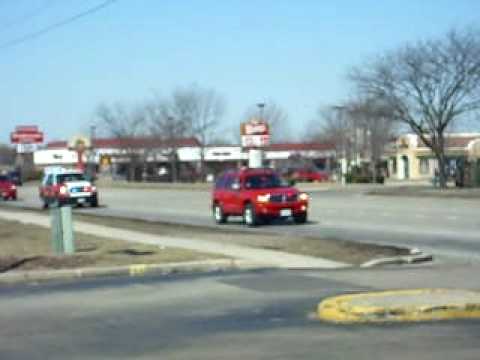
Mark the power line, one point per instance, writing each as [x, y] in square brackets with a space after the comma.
[29, 15]
[56, 25]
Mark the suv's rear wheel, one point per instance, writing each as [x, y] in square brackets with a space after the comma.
[249, 216]
[218, 214]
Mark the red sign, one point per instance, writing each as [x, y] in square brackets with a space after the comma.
[254, 128]
[27, 129]
[26, 134]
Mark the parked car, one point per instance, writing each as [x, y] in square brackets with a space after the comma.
[258, 195]
[16, 177]
[309, 175]
[8, 189]
[67, 187]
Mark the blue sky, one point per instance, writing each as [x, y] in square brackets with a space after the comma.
[296, 53]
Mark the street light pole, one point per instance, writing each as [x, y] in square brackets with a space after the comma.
[343, 161]
[261, 107]
[91, 164]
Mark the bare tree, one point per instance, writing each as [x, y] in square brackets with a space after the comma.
[168, 124]
[124, 124]
[428, 86]
[7, 155]
[276, 117]
[375, 122]
[202, 110]
[333, 124]
[191, 111]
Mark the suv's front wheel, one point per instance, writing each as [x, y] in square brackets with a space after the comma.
[300, 218]
[249, 216]
[218, 214]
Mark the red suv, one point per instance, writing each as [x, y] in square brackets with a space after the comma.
[8, 189]
[257, 195]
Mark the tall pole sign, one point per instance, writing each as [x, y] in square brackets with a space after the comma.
[255, 135]
[26, 137]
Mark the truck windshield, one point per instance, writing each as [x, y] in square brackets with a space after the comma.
[62, 178]
[263, 181]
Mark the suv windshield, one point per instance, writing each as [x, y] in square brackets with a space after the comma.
[263, 181]
[4, 178]
[70, 177]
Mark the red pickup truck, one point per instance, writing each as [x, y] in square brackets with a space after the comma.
[67, 187]
[258, 195]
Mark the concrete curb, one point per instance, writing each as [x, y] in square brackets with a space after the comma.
[367, 307]
[128, 270]
[398, 260]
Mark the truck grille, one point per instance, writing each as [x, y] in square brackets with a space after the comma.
[282, 198]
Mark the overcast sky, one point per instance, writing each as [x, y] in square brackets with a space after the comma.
[294, 52]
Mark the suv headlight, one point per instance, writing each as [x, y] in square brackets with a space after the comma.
[263, 198]
[63, 190]
[303, 197]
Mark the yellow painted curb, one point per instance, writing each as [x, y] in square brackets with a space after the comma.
[341, 309]
[137, 269]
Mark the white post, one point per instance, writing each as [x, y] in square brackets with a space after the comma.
[255, 158]
[344, 167]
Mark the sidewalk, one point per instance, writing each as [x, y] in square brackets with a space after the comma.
[260, 256]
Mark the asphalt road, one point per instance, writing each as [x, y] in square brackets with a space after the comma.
[253, 315]
[450, 228]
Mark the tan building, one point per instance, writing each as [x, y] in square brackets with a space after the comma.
[410, 158]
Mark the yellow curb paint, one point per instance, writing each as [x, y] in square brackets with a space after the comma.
[339, 309]
[137, 269]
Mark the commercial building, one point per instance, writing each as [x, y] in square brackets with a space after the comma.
[151, 158]
[410, 158]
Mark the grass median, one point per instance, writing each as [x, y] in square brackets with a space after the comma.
[28, 247]
[350, 252]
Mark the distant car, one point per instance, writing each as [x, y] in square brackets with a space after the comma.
[258, 195]
[67, 187]
[15, 177]
[310, 175]
[8, 189]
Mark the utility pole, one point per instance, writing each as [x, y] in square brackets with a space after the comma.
[92, 167]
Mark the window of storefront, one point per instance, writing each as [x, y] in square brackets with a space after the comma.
[424, 166]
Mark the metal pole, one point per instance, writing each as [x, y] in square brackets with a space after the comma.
[62, 235]
[56, 230]
[67, 230]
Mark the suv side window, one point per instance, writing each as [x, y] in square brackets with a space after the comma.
[49, 180]
[232, 182]
[220, 183]
[228, 182]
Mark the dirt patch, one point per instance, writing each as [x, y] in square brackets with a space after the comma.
[344, 251]
[28, 247]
